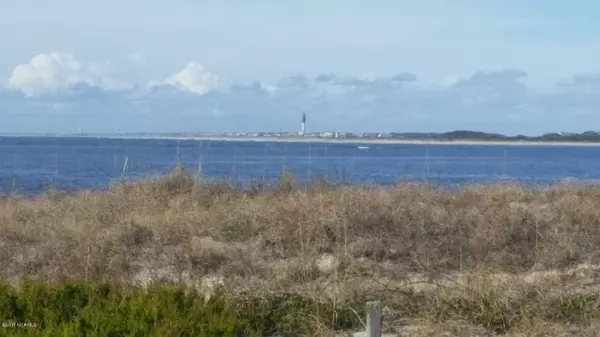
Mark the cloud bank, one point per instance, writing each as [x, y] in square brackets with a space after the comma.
[56, 92]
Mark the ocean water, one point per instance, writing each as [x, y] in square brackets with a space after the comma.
[30, 165]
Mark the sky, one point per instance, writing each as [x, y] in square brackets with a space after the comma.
[512, 67]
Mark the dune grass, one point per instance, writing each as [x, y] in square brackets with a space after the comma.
[480, 261]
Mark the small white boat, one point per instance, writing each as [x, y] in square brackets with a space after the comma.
[363, 147]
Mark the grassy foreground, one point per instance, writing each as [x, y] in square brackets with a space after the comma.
[174, 257]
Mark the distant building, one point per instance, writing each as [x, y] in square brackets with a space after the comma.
[303, 126]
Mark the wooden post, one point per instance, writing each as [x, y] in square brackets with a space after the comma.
[373, 319]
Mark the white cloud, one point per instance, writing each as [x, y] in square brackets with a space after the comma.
[51, 72]
[194, 78]
[47, 72]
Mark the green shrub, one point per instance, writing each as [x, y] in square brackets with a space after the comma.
[286, 314]
[77, 309]
[105, 310]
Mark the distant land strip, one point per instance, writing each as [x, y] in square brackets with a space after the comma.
[458, 136]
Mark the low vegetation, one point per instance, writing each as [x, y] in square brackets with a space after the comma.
[175, 256]
[468, 135]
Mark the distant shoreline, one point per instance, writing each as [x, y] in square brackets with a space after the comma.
[363, 141]
[358, 141]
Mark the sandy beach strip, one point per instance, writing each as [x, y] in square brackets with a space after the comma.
[362, 141]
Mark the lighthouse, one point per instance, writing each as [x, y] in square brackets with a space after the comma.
[303, 124]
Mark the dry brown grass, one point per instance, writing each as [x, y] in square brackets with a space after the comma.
[442, 262]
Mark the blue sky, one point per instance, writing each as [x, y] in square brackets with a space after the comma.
[508, 66]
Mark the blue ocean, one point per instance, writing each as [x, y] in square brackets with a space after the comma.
[30, 165]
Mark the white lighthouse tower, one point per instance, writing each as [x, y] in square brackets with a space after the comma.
[303, 130]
